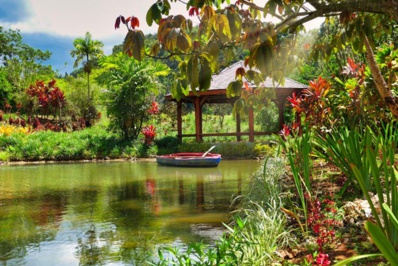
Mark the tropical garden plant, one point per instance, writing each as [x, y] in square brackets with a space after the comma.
[130, 87]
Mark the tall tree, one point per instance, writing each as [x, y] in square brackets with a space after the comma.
[87, 51]
[230, 28]
[21, 65]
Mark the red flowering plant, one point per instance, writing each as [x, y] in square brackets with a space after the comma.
[317, 259]
[312, 102]
[154, 109]
[48, 95]
[321, 220]
[149, 133]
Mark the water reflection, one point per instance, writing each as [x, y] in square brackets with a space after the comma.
[110, 213]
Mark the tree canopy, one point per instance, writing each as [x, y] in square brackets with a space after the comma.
[86, 51]
[230, 28]
[20, 65]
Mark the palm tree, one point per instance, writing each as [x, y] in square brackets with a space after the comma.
[86, 50]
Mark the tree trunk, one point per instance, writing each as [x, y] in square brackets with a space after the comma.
[88, 86]
[381, 84]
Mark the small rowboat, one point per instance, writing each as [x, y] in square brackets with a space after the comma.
[189, 159]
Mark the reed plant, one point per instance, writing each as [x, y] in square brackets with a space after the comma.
[298, 150]
[368, 157]
[345, 147]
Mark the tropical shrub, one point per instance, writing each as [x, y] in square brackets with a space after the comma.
[130, 88]
[350, 101]
[167, 145]
[45, 99]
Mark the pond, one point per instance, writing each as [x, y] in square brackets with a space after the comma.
[113, 213]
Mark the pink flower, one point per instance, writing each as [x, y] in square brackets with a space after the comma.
[323, 259]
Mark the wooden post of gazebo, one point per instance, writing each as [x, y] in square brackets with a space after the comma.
[238, 137]
[179, 121]
[198, 119]
[251, 125]
[281, 101]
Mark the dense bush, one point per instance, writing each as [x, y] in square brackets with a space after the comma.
[90, 143]
[167, 145]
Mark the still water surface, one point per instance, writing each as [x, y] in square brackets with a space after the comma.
[113, 213]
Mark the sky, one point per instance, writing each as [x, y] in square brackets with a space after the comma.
[54, 24]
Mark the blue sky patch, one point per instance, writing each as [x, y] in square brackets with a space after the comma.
[13, 10]
[60, 48]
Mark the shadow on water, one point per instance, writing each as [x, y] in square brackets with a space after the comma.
[111, 213]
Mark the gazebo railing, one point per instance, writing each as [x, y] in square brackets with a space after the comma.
[234, 134]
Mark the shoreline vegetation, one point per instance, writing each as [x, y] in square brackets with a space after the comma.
[297, 209]
[97, 143]
[292, 212]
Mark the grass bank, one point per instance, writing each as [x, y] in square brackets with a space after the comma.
[98, 143]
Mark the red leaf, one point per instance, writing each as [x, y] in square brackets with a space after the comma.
[193, 11]
[134, 22]
[240, 72]
[117, 23]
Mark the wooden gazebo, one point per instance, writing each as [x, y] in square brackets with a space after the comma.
[217, 94]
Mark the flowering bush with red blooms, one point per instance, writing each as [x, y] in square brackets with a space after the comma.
[289, 130]
[322, 219]
[154, 110]
[317, 259]
[149, 133]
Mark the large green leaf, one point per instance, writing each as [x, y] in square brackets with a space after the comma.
[127, 43]
[355, 258]
[170, 41]
[153, 14]
[368, 23]
[235, 24]
[193, 72]
[239, 106]
[179, 89]
[138, 45]
[382, 242]
[155, 49]
[183, 41]
[234, 88]
[261, 56]
[204, 73]
[254, 76]
[213, 49]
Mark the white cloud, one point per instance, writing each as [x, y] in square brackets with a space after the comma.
[73, 18]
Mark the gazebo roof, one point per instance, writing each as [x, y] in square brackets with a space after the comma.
[222, 79]
[219, 83]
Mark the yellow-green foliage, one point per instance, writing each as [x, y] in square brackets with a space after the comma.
[8, 130]
[265, 150]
